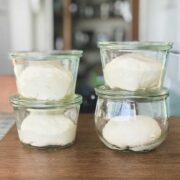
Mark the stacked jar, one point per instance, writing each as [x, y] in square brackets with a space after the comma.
[46, 106]
[131, 111]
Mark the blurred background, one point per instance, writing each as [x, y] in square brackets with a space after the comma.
[79, 24]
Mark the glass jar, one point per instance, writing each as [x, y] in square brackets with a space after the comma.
[131, 121]
[46, 75]
[44, 124]
[134, 66]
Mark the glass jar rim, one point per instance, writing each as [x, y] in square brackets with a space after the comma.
[46, 55]
[105, 92]
[136, 45]
[19, 101]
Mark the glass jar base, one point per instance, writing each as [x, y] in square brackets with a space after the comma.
[143, 148]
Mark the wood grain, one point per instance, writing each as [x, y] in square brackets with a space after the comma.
[135, 20]
[7, 88]
[88, 158]
[67, 24]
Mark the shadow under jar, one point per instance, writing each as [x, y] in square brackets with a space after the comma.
[131, 121]
[44, 124]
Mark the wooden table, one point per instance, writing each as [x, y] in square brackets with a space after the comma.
[7, 88]
[88, 158]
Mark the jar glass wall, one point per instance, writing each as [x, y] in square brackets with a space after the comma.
[46, 75]
[128, 121]
[134, 66]
[46, 124]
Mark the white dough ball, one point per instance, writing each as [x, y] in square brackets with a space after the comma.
[41, 128]
[123, 131]
[44, 82]
[132, 72]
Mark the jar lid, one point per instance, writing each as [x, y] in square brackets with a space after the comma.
[105, 92]
[46, 55]
[18, 101]
[146, 45]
